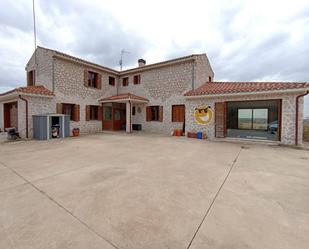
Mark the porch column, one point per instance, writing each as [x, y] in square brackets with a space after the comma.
[128, 117]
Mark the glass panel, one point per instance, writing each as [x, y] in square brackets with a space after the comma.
[264, 119]
[107, 113]
[244, 118]
[154, 113]
[260, 119]
[117, 114]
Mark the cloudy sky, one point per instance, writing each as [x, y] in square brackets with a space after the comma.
[245, 40]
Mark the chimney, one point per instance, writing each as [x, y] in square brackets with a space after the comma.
[141, 62]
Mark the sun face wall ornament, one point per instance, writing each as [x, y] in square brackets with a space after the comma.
[203, 115]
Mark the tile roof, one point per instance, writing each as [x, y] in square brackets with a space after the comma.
[162, 63]
[131, 70]
[124, 96]
[37, 90]
[217, 88]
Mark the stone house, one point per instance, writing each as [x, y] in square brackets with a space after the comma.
[174, 94]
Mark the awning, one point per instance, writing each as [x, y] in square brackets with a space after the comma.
[124, 97]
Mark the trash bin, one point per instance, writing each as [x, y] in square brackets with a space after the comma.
[200, 135]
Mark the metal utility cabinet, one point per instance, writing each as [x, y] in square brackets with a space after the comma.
[48, 126]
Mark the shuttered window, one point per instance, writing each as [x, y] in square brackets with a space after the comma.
[72, 110]
[154, 113]
[92, 112]
[178, 113]
[125, 81]
[111, 81]
[92, 79]
[31, 78]
[136, 79]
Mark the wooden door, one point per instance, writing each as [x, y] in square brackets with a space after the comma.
[220, 119]
[107, 121]
[117, 119]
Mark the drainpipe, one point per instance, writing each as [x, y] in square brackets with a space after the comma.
[193, 73]
[130, 116]
[296, 121]
[53, 74]
[26, 101]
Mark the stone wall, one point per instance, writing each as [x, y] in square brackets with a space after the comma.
[36, 105]
[288, 114]
[203, 71]
[44, 67]
[70, 89]
[165, 87]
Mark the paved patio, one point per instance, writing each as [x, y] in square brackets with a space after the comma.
[142, 191]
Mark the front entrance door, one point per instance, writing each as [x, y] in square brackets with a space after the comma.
[10, 115]
[114, 116]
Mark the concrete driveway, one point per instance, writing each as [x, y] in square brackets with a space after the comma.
[142, 191]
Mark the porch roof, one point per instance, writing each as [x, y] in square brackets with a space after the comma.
[231, 88]
[123, 98]
[37, 90]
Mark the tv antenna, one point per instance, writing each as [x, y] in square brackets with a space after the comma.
[121, 57]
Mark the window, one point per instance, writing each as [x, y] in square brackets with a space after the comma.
[154, 113]
[256, 119]
[260, 119]
[111, 81]
[69, 109]
[31, 78]
[209, 79]
[178, 113]
[125, 81]
[94, 112]
[133, 110]
[137, 79]
[107, 112]
[92, 79]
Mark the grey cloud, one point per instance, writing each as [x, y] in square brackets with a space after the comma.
[97, 35]
[16, 14]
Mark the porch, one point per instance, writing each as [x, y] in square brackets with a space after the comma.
[117, 111]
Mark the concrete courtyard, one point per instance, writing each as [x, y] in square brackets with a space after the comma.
[142, 191]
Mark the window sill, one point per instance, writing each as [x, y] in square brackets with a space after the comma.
[91, 87]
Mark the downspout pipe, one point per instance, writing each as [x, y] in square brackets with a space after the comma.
[296, 121]
[130, 116]
[26, 102]
[193, 75]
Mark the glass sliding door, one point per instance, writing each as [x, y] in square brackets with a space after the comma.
[259, 119]
[254, 119]
[244, 118]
